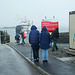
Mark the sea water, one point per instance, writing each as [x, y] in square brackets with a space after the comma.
[12, 33]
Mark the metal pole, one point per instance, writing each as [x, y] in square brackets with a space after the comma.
[31, 53]
[0, 37]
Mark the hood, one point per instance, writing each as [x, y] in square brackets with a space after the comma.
[33, 27]
[44, 29]
[56, 30]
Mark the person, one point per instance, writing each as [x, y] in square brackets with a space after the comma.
[23, 37]
[55, 35]
[34, 41]
[17, 38]
[45, 39]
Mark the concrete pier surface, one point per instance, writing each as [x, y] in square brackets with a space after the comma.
[54, 65]
[11, 63]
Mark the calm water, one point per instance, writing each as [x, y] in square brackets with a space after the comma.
[12, 33]
[63, 44]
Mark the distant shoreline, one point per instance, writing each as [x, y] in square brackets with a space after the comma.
[7, 27]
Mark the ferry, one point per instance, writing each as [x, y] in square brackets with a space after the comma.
[23, 26]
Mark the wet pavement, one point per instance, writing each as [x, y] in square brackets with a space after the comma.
[54, 66]
[67, 58]
[11, 63]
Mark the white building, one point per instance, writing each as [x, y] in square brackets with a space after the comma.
[72, 30]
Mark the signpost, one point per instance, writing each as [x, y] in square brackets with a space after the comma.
[51, 26]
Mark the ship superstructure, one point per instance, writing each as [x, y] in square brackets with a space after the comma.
[23, 26]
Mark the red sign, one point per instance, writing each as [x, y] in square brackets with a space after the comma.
[49, 25]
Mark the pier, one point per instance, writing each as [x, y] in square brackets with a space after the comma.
[53, 67]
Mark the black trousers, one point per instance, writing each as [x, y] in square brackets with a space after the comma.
[35, 49]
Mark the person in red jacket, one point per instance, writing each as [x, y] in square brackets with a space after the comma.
[23, 37]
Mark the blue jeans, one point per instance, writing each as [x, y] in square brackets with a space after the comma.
[44, 54]
[23, 40]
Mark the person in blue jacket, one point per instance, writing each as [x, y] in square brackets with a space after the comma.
[17, 38]
[34, 41]
[45, 39]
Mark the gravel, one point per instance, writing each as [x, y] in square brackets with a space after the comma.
[61, 53]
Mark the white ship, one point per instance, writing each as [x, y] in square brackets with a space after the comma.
[24, 26]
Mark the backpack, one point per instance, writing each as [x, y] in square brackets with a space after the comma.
[24, 34]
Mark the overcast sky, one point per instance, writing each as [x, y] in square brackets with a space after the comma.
[13, 11]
